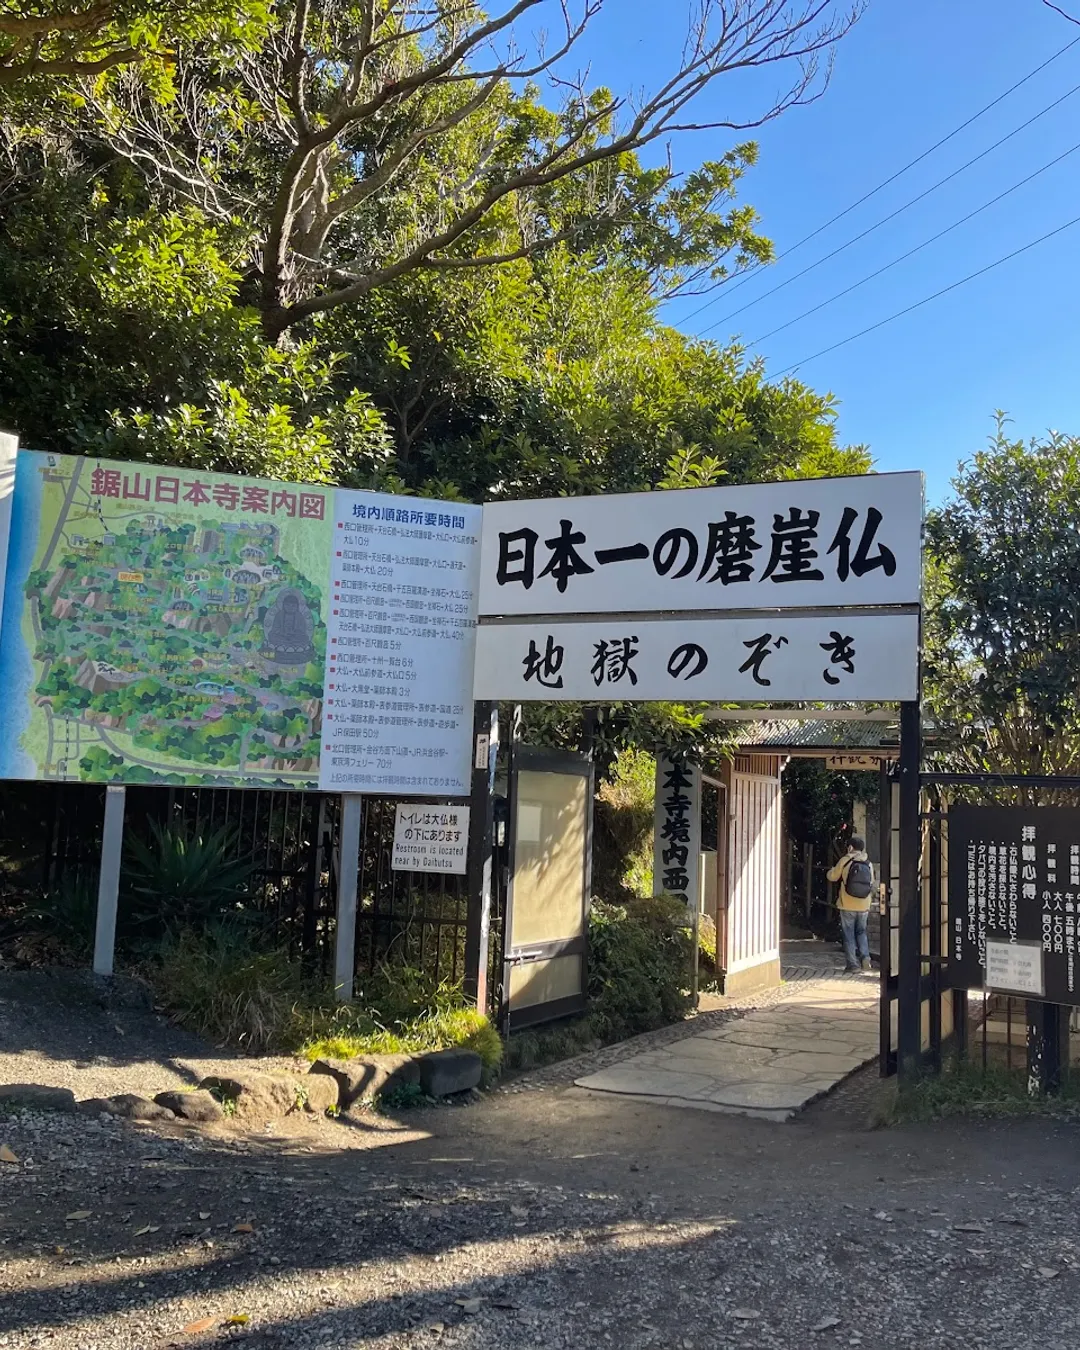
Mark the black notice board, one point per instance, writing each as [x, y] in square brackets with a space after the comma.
[1014, 897]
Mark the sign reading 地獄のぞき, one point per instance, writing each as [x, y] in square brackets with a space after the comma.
[430, 838]
[164, 625]
[592, 599]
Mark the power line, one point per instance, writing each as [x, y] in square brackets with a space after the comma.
[918, 247]
[892, 214]
[893, 177]
[937, 295]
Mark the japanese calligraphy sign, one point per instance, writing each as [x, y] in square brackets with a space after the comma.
[677, 831]
[851, 657]
[1014, 894]
[165, 625]
[430, 839]
[822, 543]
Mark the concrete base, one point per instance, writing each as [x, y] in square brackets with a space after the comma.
[752, 980]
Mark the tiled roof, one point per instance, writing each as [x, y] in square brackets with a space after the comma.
[824, 735]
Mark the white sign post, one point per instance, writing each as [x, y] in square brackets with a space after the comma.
[431, 839]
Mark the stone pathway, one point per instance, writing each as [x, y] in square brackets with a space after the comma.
[770, 1063]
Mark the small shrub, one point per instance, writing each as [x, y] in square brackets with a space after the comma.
[707, 945]
[401, 1097]
[639, 966]
[221, 985]
[183, 879]
[61, 923]
[968, 1089]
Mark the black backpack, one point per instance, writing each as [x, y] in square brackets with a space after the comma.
[859, 881]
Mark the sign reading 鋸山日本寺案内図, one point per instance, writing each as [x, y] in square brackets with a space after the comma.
[166, 625]
[430, 838]
[818, 543]
[1014, 898]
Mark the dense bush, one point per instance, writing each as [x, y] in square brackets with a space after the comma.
[623, 833]
[639, 966]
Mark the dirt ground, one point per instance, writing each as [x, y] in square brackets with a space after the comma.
[540, 1219]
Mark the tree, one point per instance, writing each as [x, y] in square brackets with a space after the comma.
[367, 141]
[1003, 611]
[80, 39]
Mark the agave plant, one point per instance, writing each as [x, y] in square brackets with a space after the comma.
[184, 878]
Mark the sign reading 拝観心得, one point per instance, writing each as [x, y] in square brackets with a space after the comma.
[165, 625]
[649, 595]
[1014, 895]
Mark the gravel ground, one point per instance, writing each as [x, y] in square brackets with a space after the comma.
[544, 1221]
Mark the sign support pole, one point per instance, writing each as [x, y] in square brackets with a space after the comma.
[481, 841]
[112, 845]
[909, 988]
[1047, 1046]
[348, 874]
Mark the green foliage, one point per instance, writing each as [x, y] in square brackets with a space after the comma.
[63, 918]
[402, 1097]
[971, 1089]
[623, 828]
[549, 1044]
[50, 44]
[182, 879]
[707, 945]
[353, 1032]
[221, 985]
[639, 966]
[1003, 612]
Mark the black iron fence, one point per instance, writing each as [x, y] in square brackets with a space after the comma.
[50, 836]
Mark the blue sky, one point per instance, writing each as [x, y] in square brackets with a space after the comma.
[921, 391]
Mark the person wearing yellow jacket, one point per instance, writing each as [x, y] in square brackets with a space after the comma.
[855, 874]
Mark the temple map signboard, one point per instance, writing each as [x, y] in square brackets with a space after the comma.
[165, 625]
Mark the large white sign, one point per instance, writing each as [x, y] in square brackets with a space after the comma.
[854, 658]
[677, 831]
[399, 662]
[820, 543]
[431, 839]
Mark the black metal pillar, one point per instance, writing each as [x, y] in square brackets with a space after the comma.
[909, 923]
[1047, 1046]
[481, 842]
[887, 1056]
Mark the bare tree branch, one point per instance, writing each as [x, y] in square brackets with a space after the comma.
[440, 90]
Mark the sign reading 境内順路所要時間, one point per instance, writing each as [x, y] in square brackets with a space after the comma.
[165, 625]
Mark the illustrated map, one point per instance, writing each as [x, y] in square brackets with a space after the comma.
[172, 626]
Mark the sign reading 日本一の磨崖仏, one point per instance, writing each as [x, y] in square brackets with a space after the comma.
[594, 598]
